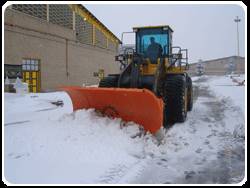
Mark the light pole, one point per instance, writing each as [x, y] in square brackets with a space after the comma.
[237, 20]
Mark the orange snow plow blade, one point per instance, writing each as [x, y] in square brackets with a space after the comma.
[138, 105]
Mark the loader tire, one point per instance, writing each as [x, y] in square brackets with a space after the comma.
[175, 99]
[109, 81]
[189, 94]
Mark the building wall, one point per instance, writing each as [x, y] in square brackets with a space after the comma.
[66, 59]
[220, 66]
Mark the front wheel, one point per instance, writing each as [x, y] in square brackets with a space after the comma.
[189, 94]
[175, 99]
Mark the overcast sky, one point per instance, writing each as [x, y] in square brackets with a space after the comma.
[208, 31]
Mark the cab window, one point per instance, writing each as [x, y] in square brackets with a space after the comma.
[146, 37]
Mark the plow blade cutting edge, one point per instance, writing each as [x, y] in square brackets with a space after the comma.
[138, 105]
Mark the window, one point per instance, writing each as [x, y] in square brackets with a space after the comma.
[12, 71]
[154, 39]
[61, 15]
[30, 65]
[36, 10]
[84, 30]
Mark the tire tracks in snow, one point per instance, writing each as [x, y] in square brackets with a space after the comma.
[228, 166]
[217, 156]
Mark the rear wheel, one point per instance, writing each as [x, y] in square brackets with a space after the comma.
[175, 99]
[109, 81]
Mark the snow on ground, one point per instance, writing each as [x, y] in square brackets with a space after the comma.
[44, 143]
[224, 87]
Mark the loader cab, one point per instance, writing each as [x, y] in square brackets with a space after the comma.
[153, 41]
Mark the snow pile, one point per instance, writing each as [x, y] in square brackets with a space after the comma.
[7, 81]
[21, 87]
[49, 144]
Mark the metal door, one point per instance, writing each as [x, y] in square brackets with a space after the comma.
[31, 74]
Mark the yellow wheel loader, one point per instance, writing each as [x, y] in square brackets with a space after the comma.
[153, 88]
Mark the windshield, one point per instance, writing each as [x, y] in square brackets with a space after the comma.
[152, 43]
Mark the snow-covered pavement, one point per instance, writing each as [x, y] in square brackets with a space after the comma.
[44, 143]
